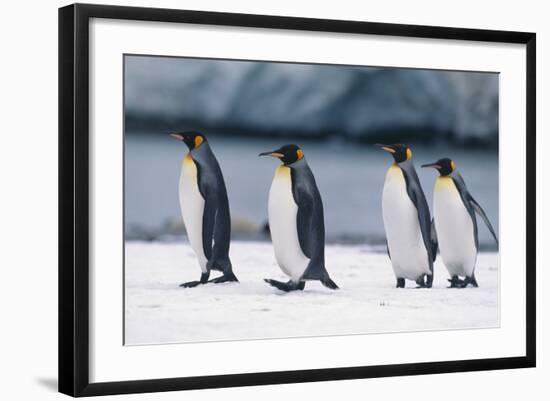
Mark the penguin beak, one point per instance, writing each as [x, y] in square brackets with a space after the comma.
[387, 148]
[434, 165]
[273, 154]
[177, 136]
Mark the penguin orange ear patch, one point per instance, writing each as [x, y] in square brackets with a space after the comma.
[453, 165]
[409, 153]
[198, 140]
[300, 154]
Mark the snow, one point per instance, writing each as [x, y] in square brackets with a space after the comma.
[157, 310]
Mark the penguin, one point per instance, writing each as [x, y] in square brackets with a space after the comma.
[410, 237]
[296, 221]
[205, 209]
[455, 223]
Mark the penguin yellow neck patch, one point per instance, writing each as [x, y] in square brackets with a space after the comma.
[188, 159]
[299, 154]
[394, 171]
[282, 171]
[409, 153]
[444, 182]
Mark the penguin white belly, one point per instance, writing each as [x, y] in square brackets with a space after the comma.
[408, 253]
[455, 229]
[283, 225]
[192, 207]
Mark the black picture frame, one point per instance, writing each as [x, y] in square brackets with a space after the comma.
[74, 198]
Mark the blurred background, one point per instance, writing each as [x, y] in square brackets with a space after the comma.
[335, 113]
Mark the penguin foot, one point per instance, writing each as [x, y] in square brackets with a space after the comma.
[456, 282]
[429, 280]
[420, 282]
[425, 281]
[288, 286]
[400, 283]
[191, 284]
[469, 280]
[227, 277]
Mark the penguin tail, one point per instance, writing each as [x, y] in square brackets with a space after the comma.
[319, 272]
[327, 282]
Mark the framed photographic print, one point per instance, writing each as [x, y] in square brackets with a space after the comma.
[250, 199]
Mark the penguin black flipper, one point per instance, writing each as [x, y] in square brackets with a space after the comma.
[465, 196]
[481, 212]
[304, 219]
[433, 238]
[309, 219]
[310, 225]
[208, 222]
[216, 229]
[472, 206]
[416, 195]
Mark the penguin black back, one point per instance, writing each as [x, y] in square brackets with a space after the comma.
[310, 217]
[402, 155]
[447, 167]
[309, 220]
[216, 221]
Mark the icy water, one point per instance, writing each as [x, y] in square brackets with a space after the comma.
[350, 178]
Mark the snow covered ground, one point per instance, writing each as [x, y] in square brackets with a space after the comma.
[159, 311]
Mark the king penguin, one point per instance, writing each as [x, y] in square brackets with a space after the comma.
[296, 221]
[410, 237]
[205, 208]
[455, 223]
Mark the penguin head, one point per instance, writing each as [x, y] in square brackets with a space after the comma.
[445, 166]
[400, 153]
[192, 139]
[288, 154]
